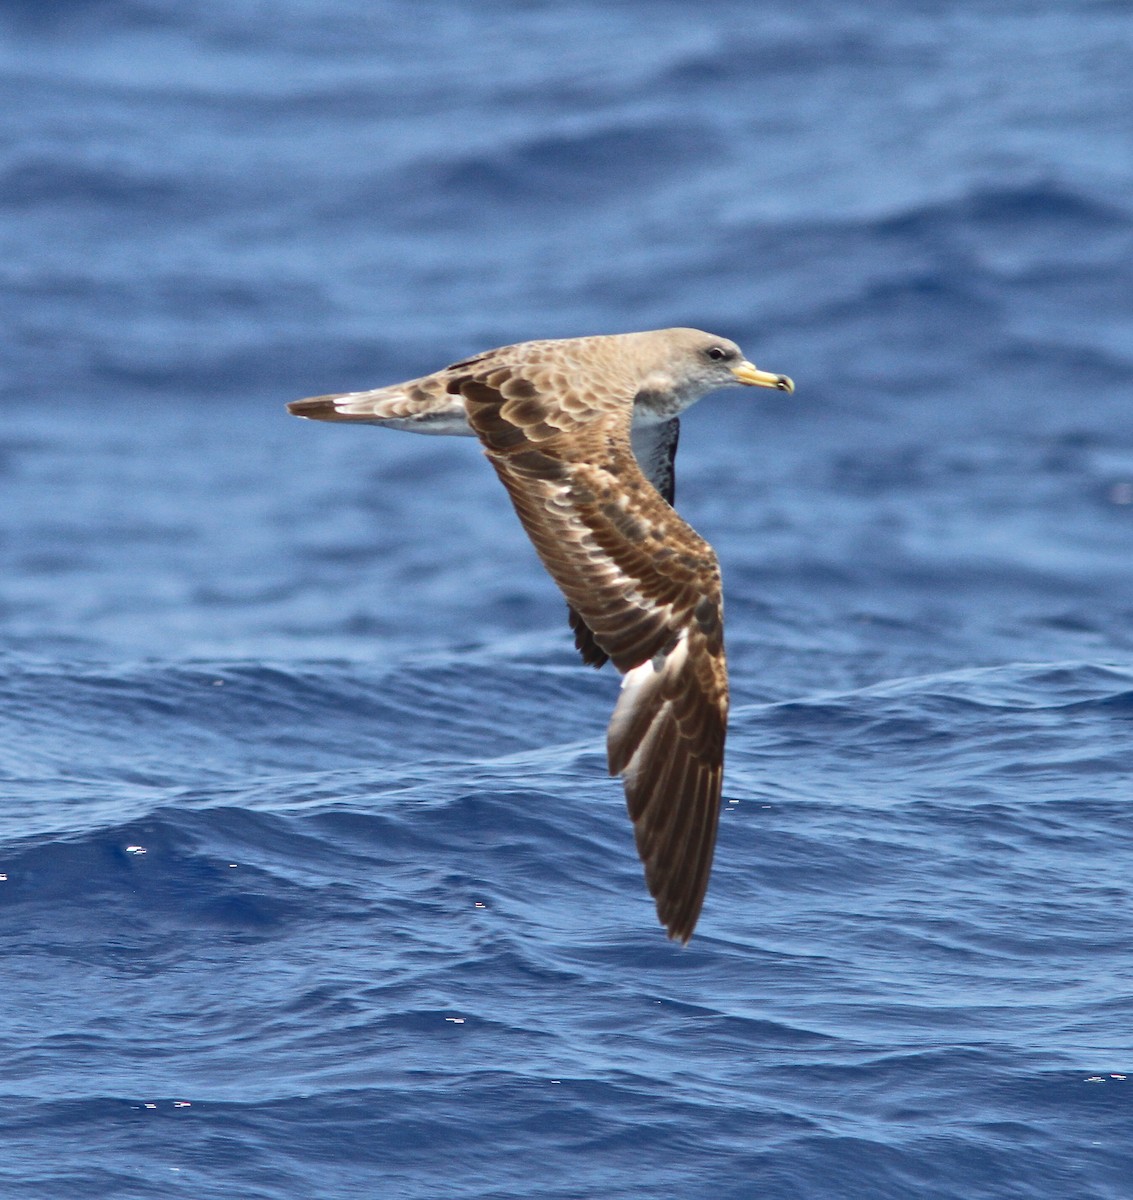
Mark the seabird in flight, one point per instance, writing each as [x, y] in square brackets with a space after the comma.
[583, 433]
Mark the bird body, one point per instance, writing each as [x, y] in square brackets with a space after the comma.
[582, 433]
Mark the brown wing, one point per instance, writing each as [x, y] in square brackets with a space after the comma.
[648, 589]
[655, 448]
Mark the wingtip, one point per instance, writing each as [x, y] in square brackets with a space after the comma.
[680, 914]
[679, 934]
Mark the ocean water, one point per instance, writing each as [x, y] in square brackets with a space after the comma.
[312, 883]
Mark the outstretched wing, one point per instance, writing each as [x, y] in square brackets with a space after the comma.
[647, 587]
[655, 449]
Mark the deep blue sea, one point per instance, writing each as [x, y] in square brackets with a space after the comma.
[312, 881]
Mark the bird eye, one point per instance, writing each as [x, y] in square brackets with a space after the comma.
[718, 353]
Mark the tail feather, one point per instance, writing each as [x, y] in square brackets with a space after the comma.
[411, 407]
[320, 408]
